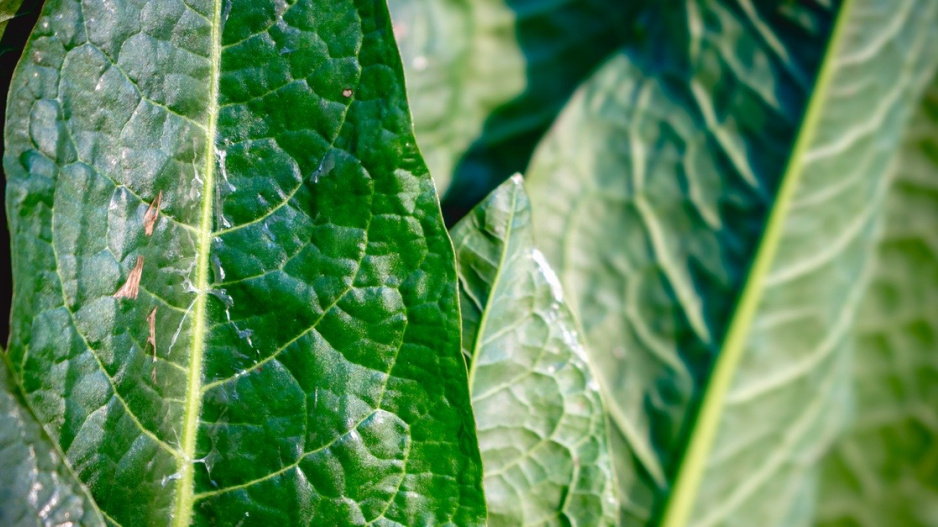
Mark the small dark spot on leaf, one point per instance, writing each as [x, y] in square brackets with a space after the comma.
[151, 340]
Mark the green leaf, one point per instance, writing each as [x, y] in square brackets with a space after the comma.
[235, 298]
[885, 471]
[710, 207]
[8, 9]
[540, 418]
[36, 487]
[487, 77]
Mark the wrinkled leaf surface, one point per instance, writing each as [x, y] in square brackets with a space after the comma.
[885, 471]
[235, 299]
[36, 488]
[710, 206]
[538, 409]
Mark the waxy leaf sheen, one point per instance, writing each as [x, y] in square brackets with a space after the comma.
[539, 413]
[709, 199]
[235, 299]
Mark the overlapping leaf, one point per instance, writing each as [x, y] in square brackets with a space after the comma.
[706, 272]
[36, 487]
[487, 77]
[235, 297]
[539, 414]
[885, 471]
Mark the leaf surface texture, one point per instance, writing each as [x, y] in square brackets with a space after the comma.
[709, 200]
[37, 488]
[538, 409]
[235, 297]
[885, 471]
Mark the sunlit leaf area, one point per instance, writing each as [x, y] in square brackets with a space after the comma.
[572, 263]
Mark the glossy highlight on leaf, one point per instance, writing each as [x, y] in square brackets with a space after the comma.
[287, 350]
[538, 409]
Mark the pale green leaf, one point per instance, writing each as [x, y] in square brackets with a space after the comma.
[538, 410]
[235, 299]
[710, 205]
[8, 10]
[884, 473]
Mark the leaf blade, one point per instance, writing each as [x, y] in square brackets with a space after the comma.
[635, 125]
[539, 413]
[881, 472]
[298, 274]
[683, 178]
[37, 487]
[8, 11]
[487, 78]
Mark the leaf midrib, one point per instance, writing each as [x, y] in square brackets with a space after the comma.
[483, 320]
[185, 487]
[690, 472]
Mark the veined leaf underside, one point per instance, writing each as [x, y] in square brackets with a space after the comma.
[885, 470]
[539, 413]
[681, 146]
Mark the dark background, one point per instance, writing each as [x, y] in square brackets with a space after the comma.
[11, 47]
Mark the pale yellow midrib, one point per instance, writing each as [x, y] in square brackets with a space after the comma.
[185, 491]
[680, 503]
[483, 321]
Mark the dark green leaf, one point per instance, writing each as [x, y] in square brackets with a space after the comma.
[291, 352]
[487, 77]
[710, 209]
[885, 471]
[36, 487]
[540, 418]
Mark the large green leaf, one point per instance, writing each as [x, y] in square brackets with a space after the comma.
[235, 299]
[487, 77]
[36, 487]
[885, 472]
[710, 208]
[540, 418]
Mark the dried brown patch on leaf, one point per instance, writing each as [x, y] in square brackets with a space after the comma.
[153, 212]
[131, 287]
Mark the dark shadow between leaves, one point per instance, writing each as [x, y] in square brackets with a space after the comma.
[11, 47]
[562, 46]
